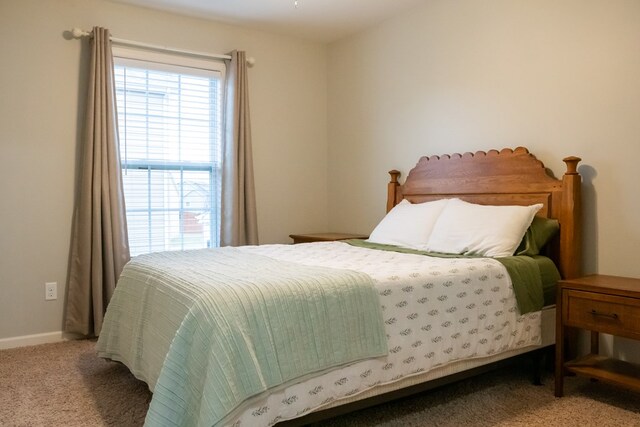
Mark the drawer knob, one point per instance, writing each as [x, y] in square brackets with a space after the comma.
[613, 316]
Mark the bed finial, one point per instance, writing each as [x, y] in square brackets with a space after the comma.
[570, 217]
[392, 189]
[572, 165]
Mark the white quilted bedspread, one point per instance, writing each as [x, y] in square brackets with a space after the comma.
[436, 311]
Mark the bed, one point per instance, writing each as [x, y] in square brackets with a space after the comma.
[405, 321]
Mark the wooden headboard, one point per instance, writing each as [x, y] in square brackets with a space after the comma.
[506, 177]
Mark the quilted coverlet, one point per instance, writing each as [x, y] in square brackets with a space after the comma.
[209, 329]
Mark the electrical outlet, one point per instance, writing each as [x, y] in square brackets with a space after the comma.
[51, 291]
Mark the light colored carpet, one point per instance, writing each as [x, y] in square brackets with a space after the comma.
[66, 384]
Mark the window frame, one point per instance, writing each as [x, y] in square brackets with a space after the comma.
[171, 62]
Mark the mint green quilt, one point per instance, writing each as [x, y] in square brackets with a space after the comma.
[232, 325]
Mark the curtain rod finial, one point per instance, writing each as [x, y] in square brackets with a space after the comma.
[77, 33]
[251, 61]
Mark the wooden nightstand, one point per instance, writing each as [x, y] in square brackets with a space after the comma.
[601, 304]
[325, 237]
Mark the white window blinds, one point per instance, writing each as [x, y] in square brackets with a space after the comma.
[170, 124]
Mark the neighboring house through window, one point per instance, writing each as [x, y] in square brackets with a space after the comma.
[170, 128]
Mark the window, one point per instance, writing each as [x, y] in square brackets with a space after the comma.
[170, 128]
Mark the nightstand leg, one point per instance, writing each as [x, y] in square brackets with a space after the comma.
[559, 365]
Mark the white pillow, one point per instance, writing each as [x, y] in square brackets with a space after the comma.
[470, 229]
[408, 225]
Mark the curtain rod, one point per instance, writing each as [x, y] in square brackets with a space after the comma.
[78, 33]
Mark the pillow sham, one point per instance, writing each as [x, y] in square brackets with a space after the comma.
[470, 229]
[539, 233]
[408, 225]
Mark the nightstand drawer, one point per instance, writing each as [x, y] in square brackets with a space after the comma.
[609, 314]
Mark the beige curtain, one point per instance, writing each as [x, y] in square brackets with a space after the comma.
[238, 217]
[99, 247]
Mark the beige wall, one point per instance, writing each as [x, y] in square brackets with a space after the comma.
[559, 77]
[41, 105]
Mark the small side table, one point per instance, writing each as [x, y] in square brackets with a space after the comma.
[325, 237]
[600, 304]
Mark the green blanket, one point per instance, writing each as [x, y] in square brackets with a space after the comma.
[531, 276]
[233, 324]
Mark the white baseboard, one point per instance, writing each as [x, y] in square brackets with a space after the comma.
[26, 340]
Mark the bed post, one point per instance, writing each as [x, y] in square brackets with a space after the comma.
[392, 189]
[571, 221]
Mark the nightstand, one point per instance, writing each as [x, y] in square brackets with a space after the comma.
[325, 237]
[600, 304]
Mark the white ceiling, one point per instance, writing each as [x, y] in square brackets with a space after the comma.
[319, 20]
